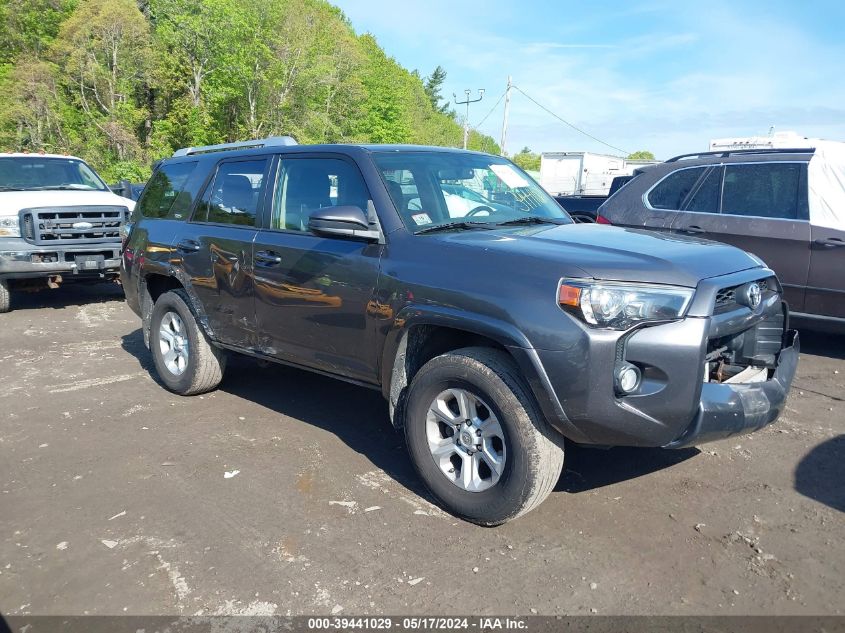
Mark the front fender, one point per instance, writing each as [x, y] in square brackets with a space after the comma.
[396, 371]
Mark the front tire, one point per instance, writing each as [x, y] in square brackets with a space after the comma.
[5, 296]
[478, 439]
[186, 362]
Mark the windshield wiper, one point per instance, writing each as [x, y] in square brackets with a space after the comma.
[12, 189]
[455, 225]
[70, 187]
[531, 219]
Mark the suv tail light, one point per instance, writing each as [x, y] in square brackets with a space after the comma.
[600, 219]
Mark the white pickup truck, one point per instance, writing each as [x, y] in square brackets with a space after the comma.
[59, 222]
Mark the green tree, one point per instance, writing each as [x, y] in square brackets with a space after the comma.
[102, 54]
[31, 112]
[527, 159]
[433, 84]
[29, 26]
[641, 155]
[384, 118]
[123, 82]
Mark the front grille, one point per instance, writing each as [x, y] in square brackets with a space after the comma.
[757, 345]
[726, 298]
[72, 225]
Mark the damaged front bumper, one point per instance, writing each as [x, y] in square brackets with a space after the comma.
[21, 260]
[729, 409]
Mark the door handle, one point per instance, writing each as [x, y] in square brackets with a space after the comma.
[268, 258]
[830, 241]
[188, 246]
[693, 229]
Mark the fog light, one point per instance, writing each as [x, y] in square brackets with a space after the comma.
[627, 378]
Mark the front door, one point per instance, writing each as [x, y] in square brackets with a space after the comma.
[216, 247]
[826, 288]
[312, 293]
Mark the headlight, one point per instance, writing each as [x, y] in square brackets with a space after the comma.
[10, 227]
[619, 306]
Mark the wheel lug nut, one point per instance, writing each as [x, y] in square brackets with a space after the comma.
[478, 432]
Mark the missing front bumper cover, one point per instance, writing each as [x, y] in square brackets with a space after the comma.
[728, 409]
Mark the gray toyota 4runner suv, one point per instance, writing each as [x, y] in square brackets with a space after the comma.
[495, 332]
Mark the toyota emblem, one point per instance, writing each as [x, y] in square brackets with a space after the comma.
[753, 295]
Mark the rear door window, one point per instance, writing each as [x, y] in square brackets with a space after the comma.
[169, 193]
[769, 190]
[671, 192]
[235, 194]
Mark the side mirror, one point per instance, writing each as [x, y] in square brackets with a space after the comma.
[345, 221]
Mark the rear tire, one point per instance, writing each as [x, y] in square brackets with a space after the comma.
[186, 361]
[516, 459]
[5, 296]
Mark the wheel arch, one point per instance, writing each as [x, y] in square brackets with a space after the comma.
[421, 333]
[153, 284]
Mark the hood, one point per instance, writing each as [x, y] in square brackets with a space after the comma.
[13, 201]
[614, 253]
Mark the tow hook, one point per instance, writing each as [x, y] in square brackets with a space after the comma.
[54, 281]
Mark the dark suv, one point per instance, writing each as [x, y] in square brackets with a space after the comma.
[785, 206]
[494, 332]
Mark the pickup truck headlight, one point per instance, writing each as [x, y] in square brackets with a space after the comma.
[619, 306]
[10, 227]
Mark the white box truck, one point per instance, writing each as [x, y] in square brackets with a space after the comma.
[580, 173]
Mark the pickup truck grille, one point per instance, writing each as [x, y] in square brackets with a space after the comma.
[72, 225]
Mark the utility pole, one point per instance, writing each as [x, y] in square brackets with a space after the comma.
[505, 120]
[467, 102]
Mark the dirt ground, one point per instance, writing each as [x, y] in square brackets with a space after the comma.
[289, 493]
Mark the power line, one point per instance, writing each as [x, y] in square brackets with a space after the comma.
[564, 121]
[495, 105]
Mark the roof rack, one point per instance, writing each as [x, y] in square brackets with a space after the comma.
[270, 141]
[724, 153]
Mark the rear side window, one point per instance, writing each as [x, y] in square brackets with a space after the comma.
[235, 194]
[671, 192]
[770, 190]
[168, 193]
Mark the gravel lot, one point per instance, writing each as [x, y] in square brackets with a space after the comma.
[288, 493]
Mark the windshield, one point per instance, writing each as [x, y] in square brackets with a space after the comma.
[41, 173]
[461, 190]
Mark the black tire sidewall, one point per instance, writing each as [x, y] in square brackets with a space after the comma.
[171, 302]
[506, 498]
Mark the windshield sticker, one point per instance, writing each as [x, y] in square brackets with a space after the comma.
[509, 176]
[421, 219]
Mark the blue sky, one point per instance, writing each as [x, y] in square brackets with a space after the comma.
[662, 76]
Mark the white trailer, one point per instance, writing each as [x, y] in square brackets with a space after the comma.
[580, 173]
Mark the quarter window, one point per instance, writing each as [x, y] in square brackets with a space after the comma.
[770, 190]
[307, 184]
[168, 193]
[235, 194]
[705, 198]
[672, 191]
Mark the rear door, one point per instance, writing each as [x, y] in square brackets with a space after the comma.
[313, 293]
[216, 247]
[760, 208]
[826, 287]
[665, 199]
